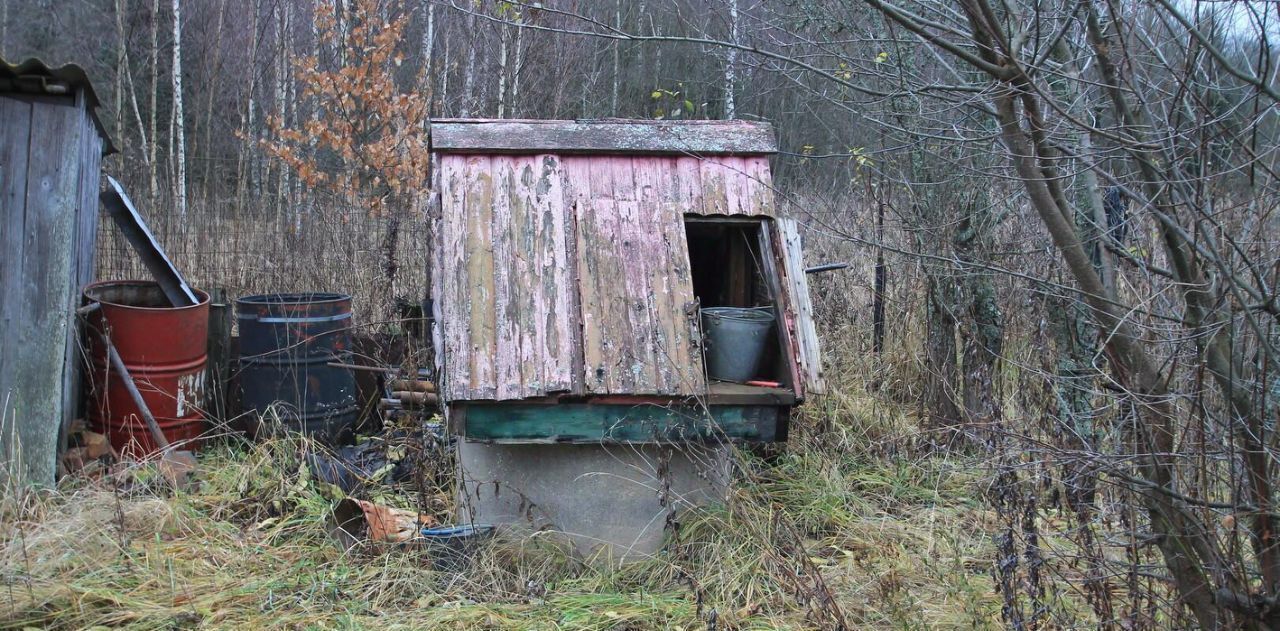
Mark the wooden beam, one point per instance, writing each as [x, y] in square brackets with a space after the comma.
[130, 222]
[614, 423]
[631, 137]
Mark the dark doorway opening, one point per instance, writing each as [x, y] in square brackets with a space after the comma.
[730, 267]
[724, 260]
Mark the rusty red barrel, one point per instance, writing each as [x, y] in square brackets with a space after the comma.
[164, 349]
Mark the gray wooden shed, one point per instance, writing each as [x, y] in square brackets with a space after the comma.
[51, 148]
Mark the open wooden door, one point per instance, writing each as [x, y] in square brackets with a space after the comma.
[804, 330]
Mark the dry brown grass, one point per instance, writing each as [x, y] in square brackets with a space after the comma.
[899, 542]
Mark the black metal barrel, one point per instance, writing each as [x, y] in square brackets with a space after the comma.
[287, 342]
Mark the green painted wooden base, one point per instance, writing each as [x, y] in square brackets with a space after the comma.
[619, 423]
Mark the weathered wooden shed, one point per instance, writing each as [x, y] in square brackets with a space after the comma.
[571, 259]
[51, 146]
[570, 263]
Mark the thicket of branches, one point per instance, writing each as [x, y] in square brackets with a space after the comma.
[1074, 200]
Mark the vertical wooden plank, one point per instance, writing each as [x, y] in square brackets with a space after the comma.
[47, 266]
[527, 301]
[614, 355]
[714, 187]
[762, 179]
[632, 248]
[737, 186]
[579, 196]
[14, 143]
[655, 225]
[506, 345]
[693, 377]
[657, 221]
[14, 146]
[753, 189]
[685, 195]
[480, 276]
[86, 233]
[90, 185]
[687, 185]
[558, 332]
[594, 307]
[809, 352]
[437, 278]
[454, 292]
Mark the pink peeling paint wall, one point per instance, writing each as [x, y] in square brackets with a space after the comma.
[570, 273]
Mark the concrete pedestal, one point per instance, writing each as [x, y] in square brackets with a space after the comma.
[608, 499]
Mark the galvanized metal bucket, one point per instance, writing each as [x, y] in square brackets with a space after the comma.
[735, 339]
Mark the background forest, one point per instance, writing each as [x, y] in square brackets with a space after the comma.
[1051, 362]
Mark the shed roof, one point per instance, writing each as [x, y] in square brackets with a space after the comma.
[33, 76]
[603, 136]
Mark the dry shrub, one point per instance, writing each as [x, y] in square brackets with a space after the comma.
[301, 247]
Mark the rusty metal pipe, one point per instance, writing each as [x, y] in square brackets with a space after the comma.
[379, 369]
[827, 267]
[414, 398]
[412, 385]
[117, 364]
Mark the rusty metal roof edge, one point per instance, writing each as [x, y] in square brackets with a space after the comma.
[34, 76]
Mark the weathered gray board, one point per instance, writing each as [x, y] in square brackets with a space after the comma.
[129, 221]
[50, 154]
[603, 136]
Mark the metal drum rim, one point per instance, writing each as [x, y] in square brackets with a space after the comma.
[293, 298]
[281, 357]
[201, 294]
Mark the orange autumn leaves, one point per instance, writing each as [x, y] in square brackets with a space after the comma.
[365, 141]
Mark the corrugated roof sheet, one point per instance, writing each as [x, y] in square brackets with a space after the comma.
[33, 76]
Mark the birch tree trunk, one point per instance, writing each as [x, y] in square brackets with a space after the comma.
[731, 63]
[444, 77]
[121, 57]
[617, 61]
[426, 82]
[216, 71]
[246, 167]
[155, 98]
[281, 97]
[469, 72]
[137, 111]
[180, 176]
[344, 28]
[515, 71]
[503, 36]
